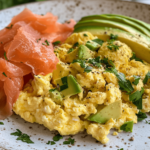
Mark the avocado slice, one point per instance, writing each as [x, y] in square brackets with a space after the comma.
[68, 86]
[55, 95]
[113, 24]
[120, 19]
[82, 52]
[141, 49]
[104, 113]
[144, 24]
[93, 46]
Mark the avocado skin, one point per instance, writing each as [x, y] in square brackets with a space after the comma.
[106, 112]
[137, 24]
[113, 24]
[141, 49]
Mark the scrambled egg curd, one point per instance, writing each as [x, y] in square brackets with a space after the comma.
[97, 86]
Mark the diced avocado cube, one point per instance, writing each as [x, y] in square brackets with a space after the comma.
[104, 113]
[84, 52]
[92, 45]
[68, 86]
[55, 95]
[127, 126]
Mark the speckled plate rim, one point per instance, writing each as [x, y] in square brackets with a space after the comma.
[70, 0]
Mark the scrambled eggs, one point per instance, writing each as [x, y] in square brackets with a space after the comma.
[69, 116]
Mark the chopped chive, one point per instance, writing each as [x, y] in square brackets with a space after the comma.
[113, 37]
[70, 50]
[5, 56]
[48, 142]
[57, 137]
[38, 40]
[1, 123]
[47, 42]
[10, 26]
[76, 44]
[52, 143]
[52, 90]
[4, 74]
[85, 35]
[56, 43]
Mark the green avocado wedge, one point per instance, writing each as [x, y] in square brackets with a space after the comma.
[144, 24]
[138, 25]
[141, 49]
[106, 112]
[112, 24]
[68, 86]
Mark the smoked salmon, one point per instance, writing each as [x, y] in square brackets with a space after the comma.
[26, 48]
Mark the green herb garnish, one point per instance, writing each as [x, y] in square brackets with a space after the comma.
[22, 137]
[136, 98]
[82, 62]
[127, 126]
[1, 123]
[98, 41]
[70, 50]
[147, 122]
[88, 69]
[10, 27]
[134, 57]
[18, 133]
[5, 56]
[107, 62]
[51, 142]
[125, 85]
[141, 116]
[47, 42]
[113, 37]
[85, 35]
[52, 90]
[38, 40]
[95, 62]
[57, 137]
[146, 78]
[112, 46]
[69, 141]
[76, 44]
[136, 80]
[48, 142]
[56, 43]
[4, 74]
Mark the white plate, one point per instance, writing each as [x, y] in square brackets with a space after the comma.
[65, 10]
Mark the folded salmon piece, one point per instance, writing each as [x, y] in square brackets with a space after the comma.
[25, 49]
[32, 48]
[11, 83]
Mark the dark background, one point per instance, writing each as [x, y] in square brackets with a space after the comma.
[9, 3]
